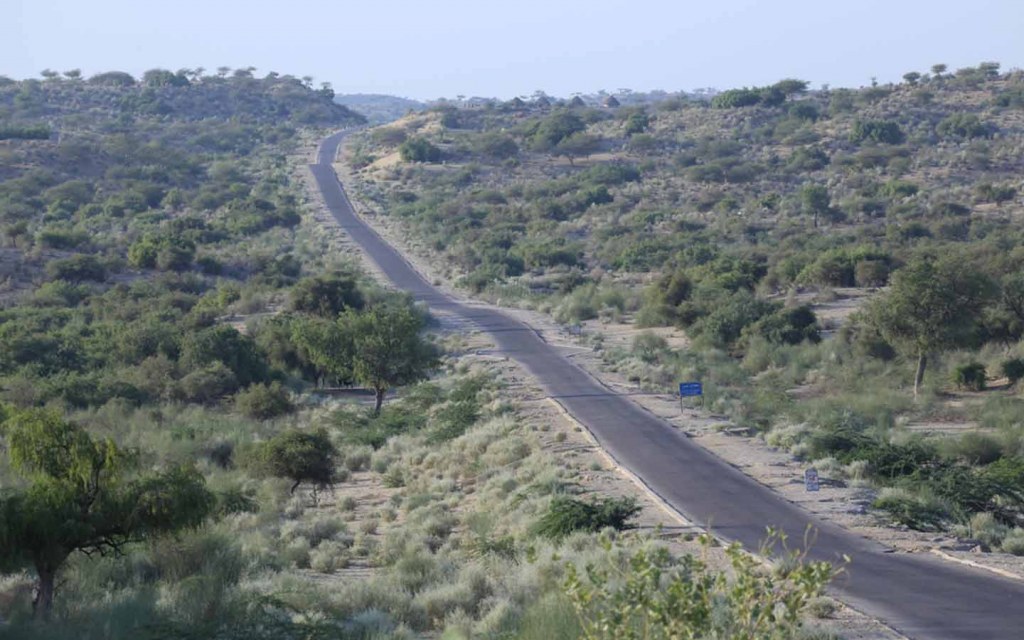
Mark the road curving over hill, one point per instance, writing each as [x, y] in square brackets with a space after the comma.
[920, 596]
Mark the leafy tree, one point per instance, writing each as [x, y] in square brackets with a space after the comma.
[81, 497]
[578, 144]
[637, 123]
[323, 344]
[387, 349]
[815, 201]
[226, 345]
[164, 78]
[932, 305]
[326, 296]
[938, 70]
[790, 87]
[912, 77]
[299, 456]
[554, 129]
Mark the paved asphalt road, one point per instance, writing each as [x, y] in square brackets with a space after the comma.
[919, 595]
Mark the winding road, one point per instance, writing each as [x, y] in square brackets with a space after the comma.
[920, 596]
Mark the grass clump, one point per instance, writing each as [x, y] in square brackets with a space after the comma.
[912, 510]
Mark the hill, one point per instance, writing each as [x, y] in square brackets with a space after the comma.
[379, 108]
[844, 264]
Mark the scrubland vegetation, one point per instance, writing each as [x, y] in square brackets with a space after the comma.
[170, 465]
[734, 220]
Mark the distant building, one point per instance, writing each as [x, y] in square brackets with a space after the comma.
[577, 102]
[611, 102]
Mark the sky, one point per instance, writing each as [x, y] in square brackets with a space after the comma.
[427, 49]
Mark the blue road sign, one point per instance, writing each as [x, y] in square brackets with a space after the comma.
[689, 389]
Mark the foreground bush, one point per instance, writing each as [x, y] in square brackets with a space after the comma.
[649, 590]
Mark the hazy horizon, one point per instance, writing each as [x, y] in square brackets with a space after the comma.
[458, 47]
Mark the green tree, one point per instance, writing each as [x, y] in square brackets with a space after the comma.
[577, 145]
[912, 77]
[80, 497]
[555, 128]
[323, 344]
[226, 345]
[815, 201]
[790, 87]
[637, 123]
[299, 456]
[326, 296]
[932, 305]
[387, 348]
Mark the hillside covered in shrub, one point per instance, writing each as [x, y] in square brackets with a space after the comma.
[737, 219]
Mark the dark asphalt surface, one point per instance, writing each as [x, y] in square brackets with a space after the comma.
[921, 596]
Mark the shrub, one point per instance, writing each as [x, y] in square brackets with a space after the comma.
[263, 401]
[77, 269]
[453, 419]
[912, 510]
[419, 150]
[989, 531]
[566, 515]
[207, 385]
[1013, 542]
[970, 376]
[976, 448]
[649, 590]
[963, 126]
[1013, 369]
[882, 131]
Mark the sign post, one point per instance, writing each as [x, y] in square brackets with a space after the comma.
[690, 390]
[811, 479]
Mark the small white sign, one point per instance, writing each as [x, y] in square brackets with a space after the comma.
[811, 479]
